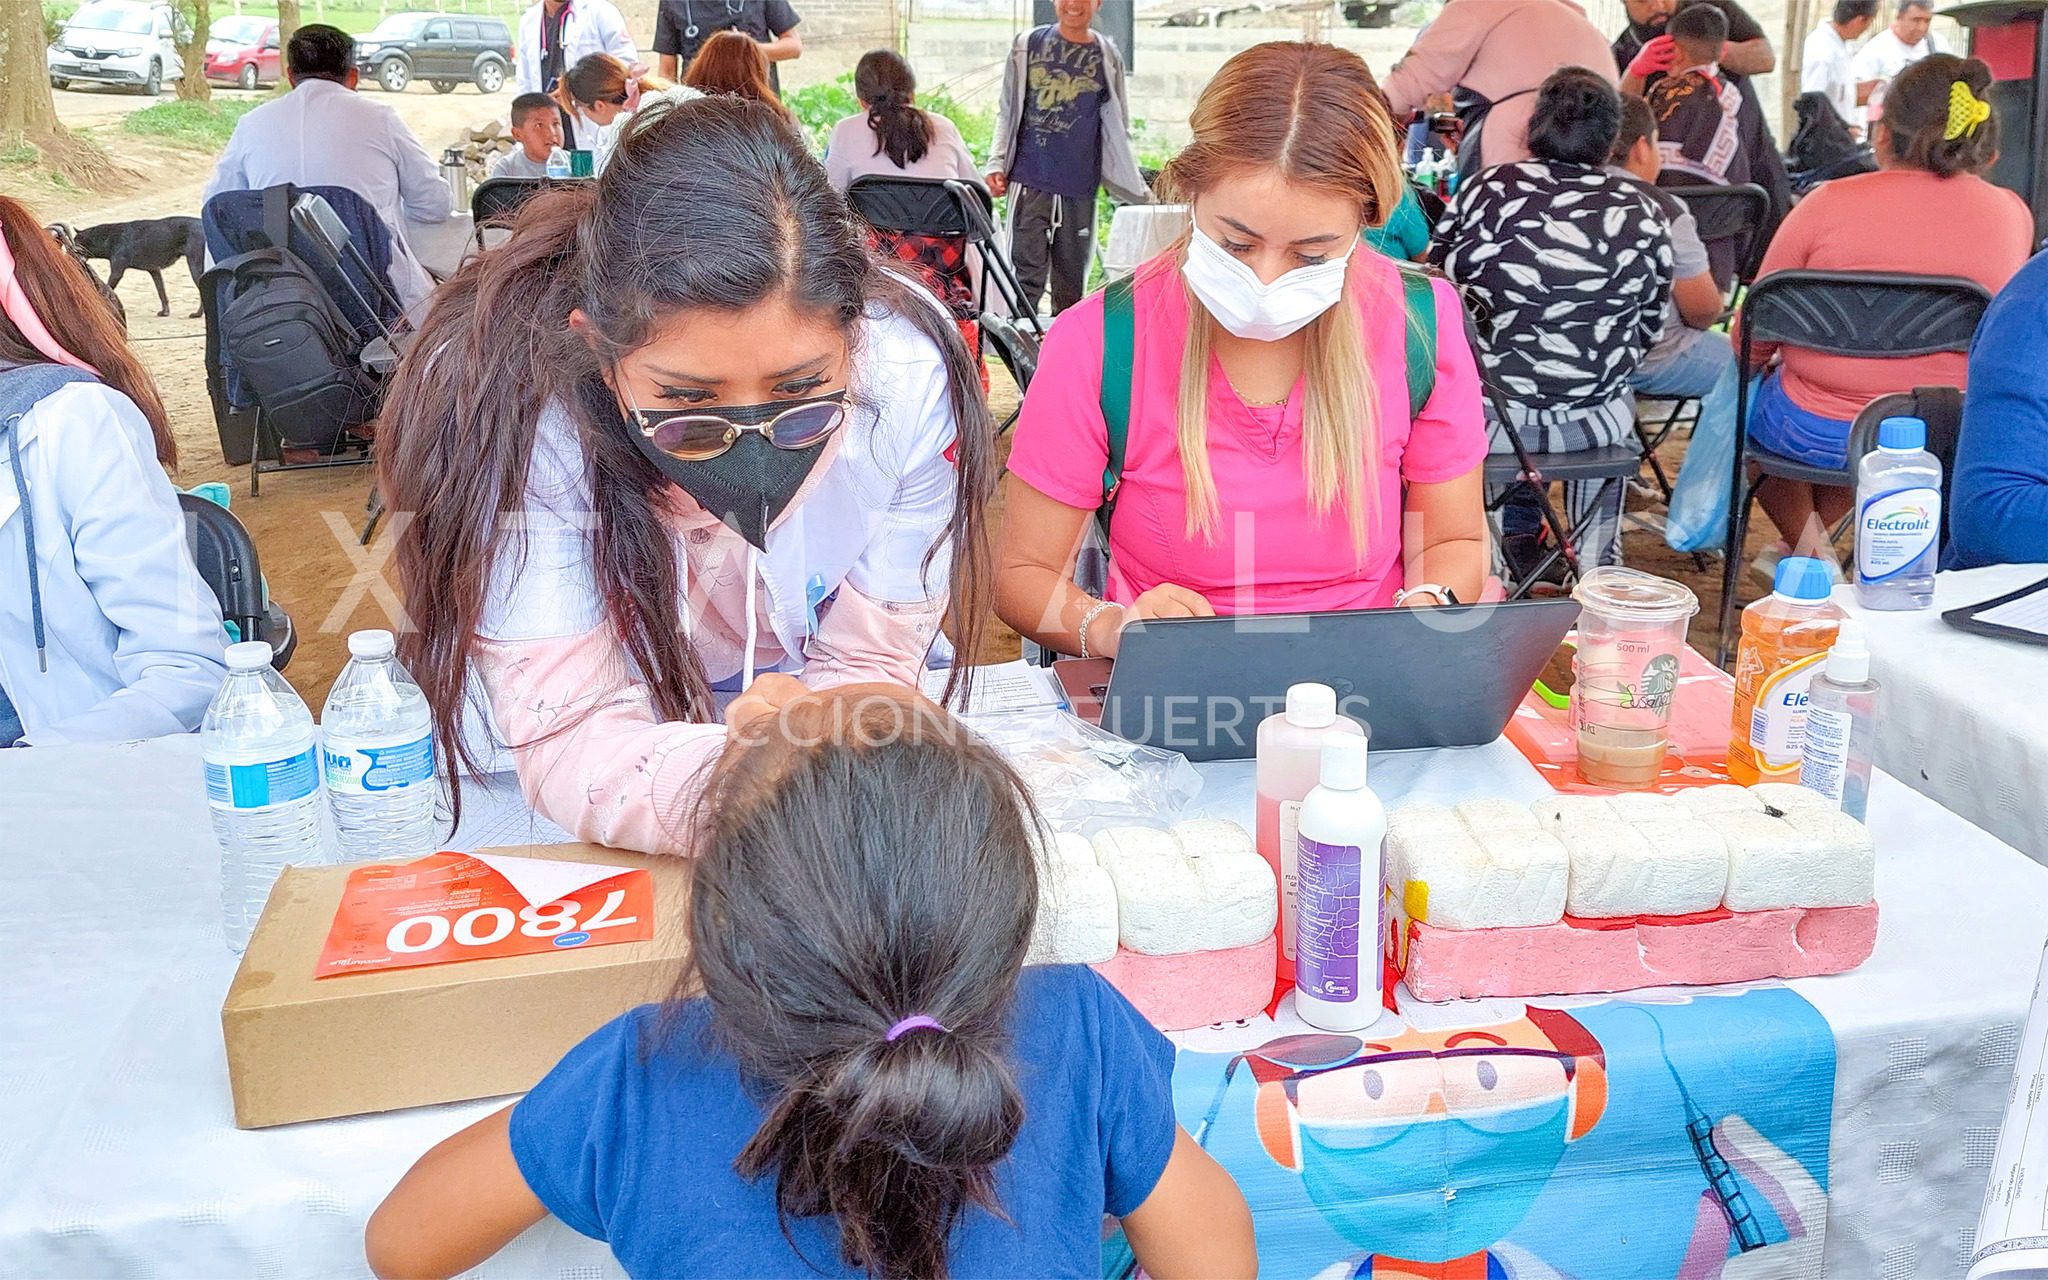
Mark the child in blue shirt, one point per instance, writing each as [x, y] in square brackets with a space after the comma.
[870, 1082]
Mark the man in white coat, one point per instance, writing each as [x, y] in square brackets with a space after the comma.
[554, 35]
[323, 133]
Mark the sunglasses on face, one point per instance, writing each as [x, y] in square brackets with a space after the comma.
[693, 435]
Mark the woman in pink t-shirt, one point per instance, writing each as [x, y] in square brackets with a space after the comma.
[1274, 464]
[1924, 211]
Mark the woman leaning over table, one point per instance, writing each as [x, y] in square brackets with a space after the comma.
[678, 450]
[1274, 463]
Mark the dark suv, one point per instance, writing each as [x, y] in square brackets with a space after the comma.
[444, 49]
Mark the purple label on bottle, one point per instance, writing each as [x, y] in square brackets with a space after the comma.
[1329, 879]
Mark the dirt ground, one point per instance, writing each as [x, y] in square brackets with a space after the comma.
[305, 523]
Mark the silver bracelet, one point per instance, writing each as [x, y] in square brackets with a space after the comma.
[1088, 618]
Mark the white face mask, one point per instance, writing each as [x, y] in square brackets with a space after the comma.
[1251, 308]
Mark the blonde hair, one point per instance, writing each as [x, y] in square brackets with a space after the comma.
[1314, 114]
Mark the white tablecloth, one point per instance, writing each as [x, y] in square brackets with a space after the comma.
[118, 1155]
[1964, 718]
[441, 246]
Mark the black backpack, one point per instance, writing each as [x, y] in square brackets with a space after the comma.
[291, 350]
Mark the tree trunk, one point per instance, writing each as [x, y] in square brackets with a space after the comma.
[192, 86]
[287, 20]
[27, 111]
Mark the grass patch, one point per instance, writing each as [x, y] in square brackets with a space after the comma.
[201, 125]
[20, 153]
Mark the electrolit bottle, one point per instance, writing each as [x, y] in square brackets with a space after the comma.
[262, 785]
[378, 747]
[1841, 721]
[1784, 637]
[1290, 762]
[558, 163]
[1340, 870]
[1898, 518]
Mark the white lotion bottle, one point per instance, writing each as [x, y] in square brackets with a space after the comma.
[1290, 762]
[1339, 901]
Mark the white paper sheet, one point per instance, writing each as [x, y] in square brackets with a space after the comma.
[2028, 613]
[1003, 687]
[2012, 1234]
[495, 816]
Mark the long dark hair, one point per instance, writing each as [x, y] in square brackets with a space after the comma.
[79, 317]
[865, 862]
[709, 203]
[884, 81]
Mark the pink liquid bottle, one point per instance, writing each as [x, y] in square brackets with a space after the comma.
[1290, 762]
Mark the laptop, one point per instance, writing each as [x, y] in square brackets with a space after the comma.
[1448, 677]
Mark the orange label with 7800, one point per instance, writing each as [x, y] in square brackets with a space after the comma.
[448, 907]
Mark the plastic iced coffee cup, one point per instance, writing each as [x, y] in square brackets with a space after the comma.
[1631, 635]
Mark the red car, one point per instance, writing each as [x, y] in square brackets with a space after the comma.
[242, 50]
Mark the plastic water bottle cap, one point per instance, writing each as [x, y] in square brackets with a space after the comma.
[1849, 660]
[1803, 578]
[249, 655]
[378, 643]
[1902, 435]
[1344, 759]
[1312, 706]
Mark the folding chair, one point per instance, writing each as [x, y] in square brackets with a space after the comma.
[226, 555]
[1877, 315]
[1733, 221]
[496, 202]
[1613, 464]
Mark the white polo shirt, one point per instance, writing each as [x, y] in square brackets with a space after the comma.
[1884, 55]
[1826, 66]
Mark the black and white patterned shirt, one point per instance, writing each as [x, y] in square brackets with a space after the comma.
[1566, 269]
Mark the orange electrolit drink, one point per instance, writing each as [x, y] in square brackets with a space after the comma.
[1785, 637]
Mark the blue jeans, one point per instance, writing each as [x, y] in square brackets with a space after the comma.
[1704, 367]
[10, 723]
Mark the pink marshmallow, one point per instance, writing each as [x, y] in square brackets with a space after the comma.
[1575, 956]
[1196, 988]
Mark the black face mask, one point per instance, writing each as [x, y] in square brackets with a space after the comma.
[748, 486]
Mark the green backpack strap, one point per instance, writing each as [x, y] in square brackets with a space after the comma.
[1420, 303]
[1119, 339]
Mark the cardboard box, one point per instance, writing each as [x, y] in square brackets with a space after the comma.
[306, 1048]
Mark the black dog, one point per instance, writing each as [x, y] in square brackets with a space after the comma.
[148, 245]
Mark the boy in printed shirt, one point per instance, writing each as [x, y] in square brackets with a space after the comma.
[1063, 131]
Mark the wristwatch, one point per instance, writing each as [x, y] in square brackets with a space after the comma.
[1444, 595]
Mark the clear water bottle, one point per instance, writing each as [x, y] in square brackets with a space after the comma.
[262, 784]
[378, 744]
[1898, 518]
[558, 163]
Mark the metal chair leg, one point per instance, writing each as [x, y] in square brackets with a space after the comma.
[1731, 565]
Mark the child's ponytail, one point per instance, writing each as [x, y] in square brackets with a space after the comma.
[867, 873]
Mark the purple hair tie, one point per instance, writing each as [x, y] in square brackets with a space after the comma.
[913, 1023]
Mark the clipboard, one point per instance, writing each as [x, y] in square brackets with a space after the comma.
[1971, 617]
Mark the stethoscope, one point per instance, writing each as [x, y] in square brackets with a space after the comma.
[732, 10]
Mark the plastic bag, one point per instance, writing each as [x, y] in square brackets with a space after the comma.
[1697, 518]
[1084, 779]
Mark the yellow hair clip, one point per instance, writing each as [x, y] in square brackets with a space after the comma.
[1965, 112]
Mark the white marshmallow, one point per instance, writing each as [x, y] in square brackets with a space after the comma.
[1417, 818]
[1647, 808]
[1555, 810]
[1500, 879]
[1789, 798]
[1722, 797]
[1773, 865]
[1618, 869]
[1077, 913]
[1496, 814]
[1171, 901]
[1846, 846]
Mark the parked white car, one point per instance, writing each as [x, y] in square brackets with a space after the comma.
[124, 42]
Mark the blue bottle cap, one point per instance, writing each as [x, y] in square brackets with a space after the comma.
[1803, 578]
[1902, 435]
